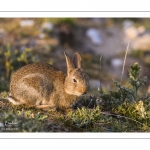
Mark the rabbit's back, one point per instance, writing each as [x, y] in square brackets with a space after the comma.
[34, 84]
[36, 68]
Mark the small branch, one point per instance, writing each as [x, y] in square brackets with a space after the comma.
[124, 62]
[119, 116]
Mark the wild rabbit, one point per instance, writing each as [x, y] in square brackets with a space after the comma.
[43, 86]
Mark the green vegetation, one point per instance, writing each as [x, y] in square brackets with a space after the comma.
[126, 101]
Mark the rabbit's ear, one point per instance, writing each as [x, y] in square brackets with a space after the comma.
[77, 60]
[69, 63]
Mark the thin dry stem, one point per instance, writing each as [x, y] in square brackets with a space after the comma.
[100, 66]
[124, 62]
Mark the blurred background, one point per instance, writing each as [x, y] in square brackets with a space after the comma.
[27, 40]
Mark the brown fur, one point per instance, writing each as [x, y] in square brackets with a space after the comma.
[41, 85]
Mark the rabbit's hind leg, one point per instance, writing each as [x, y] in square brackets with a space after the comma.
[12, 100]
[46, 107]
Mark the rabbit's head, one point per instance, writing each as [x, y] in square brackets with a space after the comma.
[77, 81]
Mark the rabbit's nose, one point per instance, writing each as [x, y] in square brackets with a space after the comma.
[84, 89]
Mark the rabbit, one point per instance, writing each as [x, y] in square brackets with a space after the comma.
[43, 86]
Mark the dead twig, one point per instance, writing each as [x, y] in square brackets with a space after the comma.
[124, 62]
[100, 67]
[119, 116]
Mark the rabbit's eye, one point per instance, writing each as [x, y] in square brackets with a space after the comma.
[74, 80]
